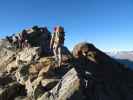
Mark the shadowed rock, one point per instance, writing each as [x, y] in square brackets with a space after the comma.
[107, 79]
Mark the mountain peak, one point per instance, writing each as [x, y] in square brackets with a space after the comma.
[85, 73]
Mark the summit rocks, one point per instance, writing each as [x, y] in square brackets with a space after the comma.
[86, 73]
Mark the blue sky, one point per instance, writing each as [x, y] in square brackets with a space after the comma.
[108, 24]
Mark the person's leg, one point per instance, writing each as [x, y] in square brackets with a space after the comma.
[55, 52]
[59, 56]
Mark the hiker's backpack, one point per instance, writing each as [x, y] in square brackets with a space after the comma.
[58, 37]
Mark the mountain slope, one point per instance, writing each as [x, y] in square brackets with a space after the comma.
[85, 74]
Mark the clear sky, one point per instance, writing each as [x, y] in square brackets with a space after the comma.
[108, 24]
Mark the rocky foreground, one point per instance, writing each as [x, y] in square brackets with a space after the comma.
[86, 73]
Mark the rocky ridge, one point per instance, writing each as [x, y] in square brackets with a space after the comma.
[86, 73]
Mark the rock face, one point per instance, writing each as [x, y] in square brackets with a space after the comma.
[29, 54]
[6, 57]
[106, 78]
[9, 88]
[85, 74]
[67, 88]
[10, 91]
[40, 37]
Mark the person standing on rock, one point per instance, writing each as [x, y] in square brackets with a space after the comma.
[56, 43]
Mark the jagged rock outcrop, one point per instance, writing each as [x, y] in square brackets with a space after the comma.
[68, 88]
[41, 76]
[27, 55]
[40, 37]
[107, 79]
[85, 74]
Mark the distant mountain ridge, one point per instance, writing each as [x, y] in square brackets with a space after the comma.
[125, 57]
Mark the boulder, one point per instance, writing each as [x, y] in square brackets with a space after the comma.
[38, 73]
[40, 37]
[28, 55]
[68, 88]
[103, 78]
[6, 57]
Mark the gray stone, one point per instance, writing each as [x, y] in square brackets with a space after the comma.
[67, 88]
